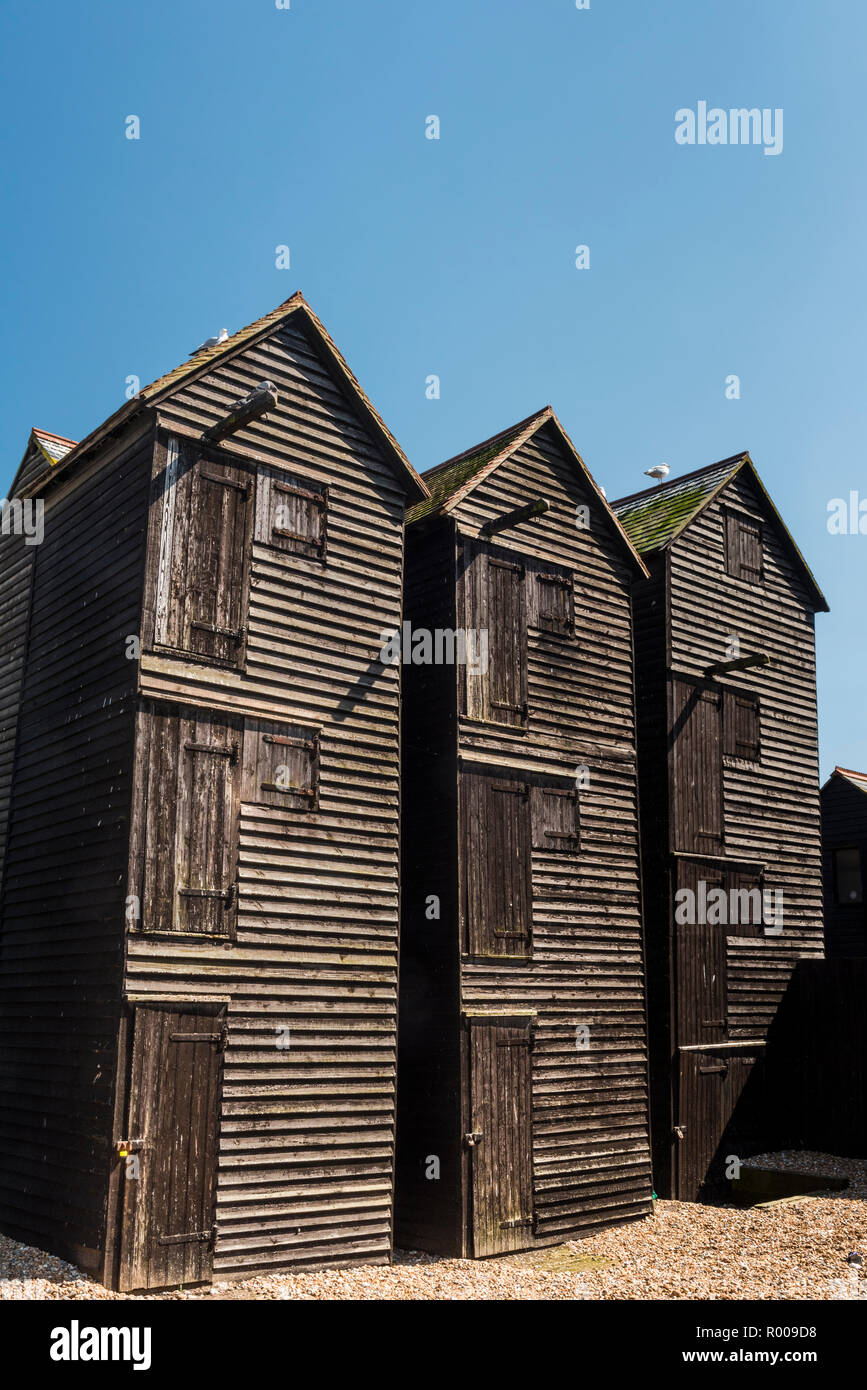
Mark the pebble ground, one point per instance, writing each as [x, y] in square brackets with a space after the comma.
[789, 1250]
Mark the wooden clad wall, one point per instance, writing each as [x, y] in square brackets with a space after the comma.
[590, 1146]
[307, 1128]
[65, 881]
[428, 1198]
[16, 575]
[844, 823]
[770, 807]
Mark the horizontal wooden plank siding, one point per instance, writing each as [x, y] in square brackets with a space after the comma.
[729, 800]
[305, 1173]
[579, 975]
[590, 1121]
[17, 561]
[65, 882]
[771, 808]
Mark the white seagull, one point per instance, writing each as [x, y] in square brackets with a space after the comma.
[658, 472]
[211, 342]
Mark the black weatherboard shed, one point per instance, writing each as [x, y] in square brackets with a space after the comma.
[728, 769]
[522, 1068]
[199, 764]
[844, 849]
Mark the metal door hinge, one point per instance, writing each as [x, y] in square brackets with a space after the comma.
[473, 1138]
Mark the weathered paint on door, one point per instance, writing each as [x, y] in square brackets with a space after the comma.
[501, 1138]
[168, 1205]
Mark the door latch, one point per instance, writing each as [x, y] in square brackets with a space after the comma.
[679, 1131]
[473, 1138]
[127, 1146]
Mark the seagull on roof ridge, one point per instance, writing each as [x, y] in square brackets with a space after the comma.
[657, 472]
[211, 342]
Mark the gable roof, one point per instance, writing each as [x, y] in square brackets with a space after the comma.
[204, 361]
[656, 516]
[857, 779]
[43, 451]
[450, 482]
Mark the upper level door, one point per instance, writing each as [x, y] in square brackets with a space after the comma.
[696, 749]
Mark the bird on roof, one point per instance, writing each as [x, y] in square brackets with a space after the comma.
[211, 342]
[657, 472]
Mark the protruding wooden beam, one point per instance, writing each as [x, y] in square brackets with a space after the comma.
[260, 400]
[740, 663]
[502, 523]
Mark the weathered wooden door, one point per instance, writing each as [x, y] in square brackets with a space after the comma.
[701, 986]
[496, 864]
[701, 1120]
[507, 638]
[190, 789]
[697, 759]
[172, 1129]
[501, 1139]
[204, 544]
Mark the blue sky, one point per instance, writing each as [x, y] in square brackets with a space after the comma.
[306, 127]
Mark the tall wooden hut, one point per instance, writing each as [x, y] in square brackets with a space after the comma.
[728, 766]
[199, 764]
[844, 851]
[522, 1112]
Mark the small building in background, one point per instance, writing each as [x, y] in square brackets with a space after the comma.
[522, 1108]
[728, 768]
[844, 849]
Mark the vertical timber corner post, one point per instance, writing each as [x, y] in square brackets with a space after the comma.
[523, 1107]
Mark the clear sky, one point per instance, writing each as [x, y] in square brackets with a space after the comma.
[305, 127]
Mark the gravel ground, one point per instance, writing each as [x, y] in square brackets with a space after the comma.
[794, 1249]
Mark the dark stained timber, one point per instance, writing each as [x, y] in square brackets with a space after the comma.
[199, 821]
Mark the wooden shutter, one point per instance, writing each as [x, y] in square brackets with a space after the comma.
[702, 989]
[496, 867]
[507, 642]
[555, 605]
[190, 811]
[281, 765]
[697, 761]
[744, 548]
[292, 513]
[555, 818]
[501, 1137]
[742, 726]
[173, 1116]
[201, 585]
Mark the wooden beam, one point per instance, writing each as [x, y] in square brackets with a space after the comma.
[502, 523]
[741, 663]
[260, 400]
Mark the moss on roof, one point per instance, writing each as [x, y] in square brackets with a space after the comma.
[447, 478]
[652, 518]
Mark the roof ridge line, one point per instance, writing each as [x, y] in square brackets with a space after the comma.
[486, 443]
[658, 488]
